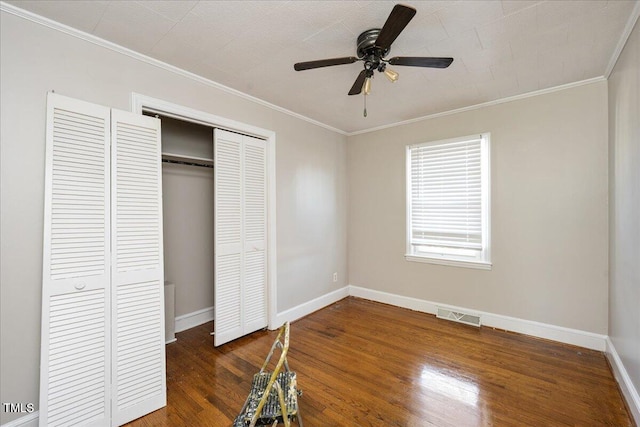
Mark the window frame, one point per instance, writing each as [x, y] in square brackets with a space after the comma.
[482, 258]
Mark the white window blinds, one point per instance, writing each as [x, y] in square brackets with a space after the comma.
[447, 194]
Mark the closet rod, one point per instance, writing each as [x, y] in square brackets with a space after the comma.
[187, 160]
[182, 162]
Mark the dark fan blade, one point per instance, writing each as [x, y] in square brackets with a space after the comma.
[324, 63]
[419, 61]
[397, 20]
[357, 85]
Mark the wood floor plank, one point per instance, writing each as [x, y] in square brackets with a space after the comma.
[362, 363]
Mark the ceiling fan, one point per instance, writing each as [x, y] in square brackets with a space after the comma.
[372, 48]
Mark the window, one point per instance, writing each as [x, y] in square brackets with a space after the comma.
[448, 202]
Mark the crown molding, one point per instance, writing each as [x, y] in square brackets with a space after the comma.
[483, 105]
[633, 18]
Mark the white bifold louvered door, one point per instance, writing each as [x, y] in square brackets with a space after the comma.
[76, 342]
[92, 373]
[137, 286]
[240, 235]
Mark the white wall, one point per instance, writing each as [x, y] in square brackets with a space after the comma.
[548, 211]
[310, 171]
[624, 213]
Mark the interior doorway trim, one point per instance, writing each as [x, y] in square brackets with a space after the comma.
[142, 103]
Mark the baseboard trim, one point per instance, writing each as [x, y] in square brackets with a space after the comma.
[309, 307]
[193, 319]
[411, 303]
[624, 380]
[513, 324]
[30, 420]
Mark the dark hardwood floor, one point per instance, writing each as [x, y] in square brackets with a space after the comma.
[362, 363]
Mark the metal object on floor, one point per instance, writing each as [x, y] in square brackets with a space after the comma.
[274, 394]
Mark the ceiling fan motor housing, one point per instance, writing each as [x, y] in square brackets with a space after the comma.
[367, 49]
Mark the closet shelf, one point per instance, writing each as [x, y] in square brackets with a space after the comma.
[187, 159]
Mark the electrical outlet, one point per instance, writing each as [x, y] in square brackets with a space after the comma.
[335, 277]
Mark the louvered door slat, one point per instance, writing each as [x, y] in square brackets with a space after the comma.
[138, 361]
[74, 378]
[255, 292]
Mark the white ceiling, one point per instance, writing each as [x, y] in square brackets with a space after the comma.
[500, 48]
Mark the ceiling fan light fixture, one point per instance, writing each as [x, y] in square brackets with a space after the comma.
[391, 75]
[367, 86]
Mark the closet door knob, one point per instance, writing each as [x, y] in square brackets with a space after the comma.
[80, 285]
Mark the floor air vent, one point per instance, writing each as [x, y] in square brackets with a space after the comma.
[457, 316]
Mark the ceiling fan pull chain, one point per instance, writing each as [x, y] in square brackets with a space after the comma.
[365, 104]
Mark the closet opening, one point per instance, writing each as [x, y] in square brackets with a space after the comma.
[243, 261]
[188, 229]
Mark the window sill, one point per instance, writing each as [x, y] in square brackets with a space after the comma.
[449, 262]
